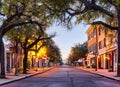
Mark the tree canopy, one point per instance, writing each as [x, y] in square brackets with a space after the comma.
[79, 51]
[16, 13]
[90, 11]
[53, 52]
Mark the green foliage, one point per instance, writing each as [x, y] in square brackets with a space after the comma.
[5, 7]
[84, 11]
[93, 66]
[87, 66]
[78, 51]
[53, 51]
[117, 2]
[20, 69]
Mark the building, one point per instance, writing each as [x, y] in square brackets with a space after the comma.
[11, 60]
[102, 44]
[91, 32]
[111, 50]
[8, 60]
[107, 49]
[102, 59]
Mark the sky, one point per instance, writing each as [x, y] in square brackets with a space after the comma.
[65, 39]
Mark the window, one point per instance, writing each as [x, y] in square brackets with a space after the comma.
[104, 42]
[99, 31]
[100, 45]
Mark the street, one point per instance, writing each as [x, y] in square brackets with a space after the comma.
[65, 76]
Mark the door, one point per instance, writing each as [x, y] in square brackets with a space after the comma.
[8, 62]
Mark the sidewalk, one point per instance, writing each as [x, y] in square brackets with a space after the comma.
[10, 77]
[102, 72]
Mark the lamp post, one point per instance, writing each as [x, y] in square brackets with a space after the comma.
[96, 62]
[95, 55]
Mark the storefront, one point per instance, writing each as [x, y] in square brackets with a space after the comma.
[112, 63]
[8, 61]
[90, 59]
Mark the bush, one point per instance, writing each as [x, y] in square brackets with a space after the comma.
[20, 69]
[93, 66]
[28, 64]
[87, 66]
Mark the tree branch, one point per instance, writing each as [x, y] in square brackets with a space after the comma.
[100, 9]
[21, 24]
[92, 6]
[18, 12]
[39, 39]
[43, 44]
[105, 24]
[5, 23]
[112, 3]
[78, 12]
[2, 14]
[13, 25]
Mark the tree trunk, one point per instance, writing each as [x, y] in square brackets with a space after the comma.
[118, 65]
[16, 64]
[2, 60]
[16, 57]
[25, 62]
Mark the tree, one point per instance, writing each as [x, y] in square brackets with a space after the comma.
[14, 37]
[28, 36]
[102, 12]
[53, 52]
[26, 47]
[79, 51]
[16, 13]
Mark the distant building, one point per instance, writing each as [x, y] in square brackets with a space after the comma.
[10, 59]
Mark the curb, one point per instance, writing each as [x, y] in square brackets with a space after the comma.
[23, 77]
[109, 77]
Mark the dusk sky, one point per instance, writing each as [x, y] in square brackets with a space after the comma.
[65, 39]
